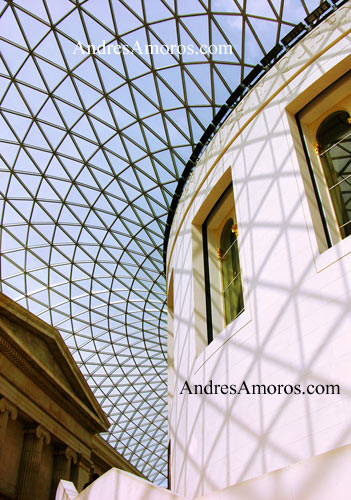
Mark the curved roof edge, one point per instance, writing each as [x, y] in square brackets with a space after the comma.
[267, 62]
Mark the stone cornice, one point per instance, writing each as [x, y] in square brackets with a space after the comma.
[103, 451]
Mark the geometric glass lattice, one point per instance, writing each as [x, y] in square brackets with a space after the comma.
[93, 143]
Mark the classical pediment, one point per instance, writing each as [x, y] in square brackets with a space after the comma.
[39, 352]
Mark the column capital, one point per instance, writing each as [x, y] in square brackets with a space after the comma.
[71, 454]
[9, 408]
[39, 432]
[68, 453]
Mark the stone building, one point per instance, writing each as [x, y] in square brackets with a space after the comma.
[49, 417]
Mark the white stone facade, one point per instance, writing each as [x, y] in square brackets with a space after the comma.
[296, 327]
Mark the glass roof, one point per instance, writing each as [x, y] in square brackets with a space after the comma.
[93, 143]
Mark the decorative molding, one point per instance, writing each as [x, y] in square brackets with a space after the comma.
[45, 384]
[10, 352]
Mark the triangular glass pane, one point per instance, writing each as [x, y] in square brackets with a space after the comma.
[122, 117]
[59, 9]
[101, 110]
[157, 11]
[221, 92]
[84, 129]
[7, 134]
[134, 151]
[99, 36]
[190, 7]
[34, 98]
[198, 27]
[34, 29]
[179, 117]
[14, 56]
[87, 72]
[30, 75]
[109, 76]
[138, 42]
[253, 52]
[74, 52]
[169, 100]
[266, 32]
[10, 29]
[53, 134]
[99, 160]
[122, 96]
[87, 149]
[220, 6]
[50, 114]
[259, 9]
[88, 95]
[35, 137]
[160, 57]
[115, 145]
[136, 65]
[173, 77]
[126, 20]
[49, 46]
[135, 134]
[192, 53]
[68, 148]
[197, 95]
[70, 114]
[202, 75]
[104, 133]
[46, 191]
[101, 11]
[154, 143]
[72, 26]
[231, 74]
[67, 92]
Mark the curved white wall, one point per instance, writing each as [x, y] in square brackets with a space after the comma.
[297, 321]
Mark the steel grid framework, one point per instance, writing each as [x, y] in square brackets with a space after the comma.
[93, 145]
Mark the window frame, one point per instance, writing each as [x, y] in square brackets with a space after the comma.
[212, 228]
[335, 97]
[329, 166]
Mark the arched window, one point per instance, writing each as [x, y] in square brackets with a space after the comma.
[334, 148]
[325, 130]
[231, 275]
[222, 271]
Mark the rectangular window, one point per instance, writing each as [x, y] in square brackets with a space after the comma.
[325, 128]
[223, 281]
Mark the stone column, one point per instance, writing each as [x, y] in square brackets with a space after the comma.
[63, 459]
[81, 472]
[6, 409]
[28, 477]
